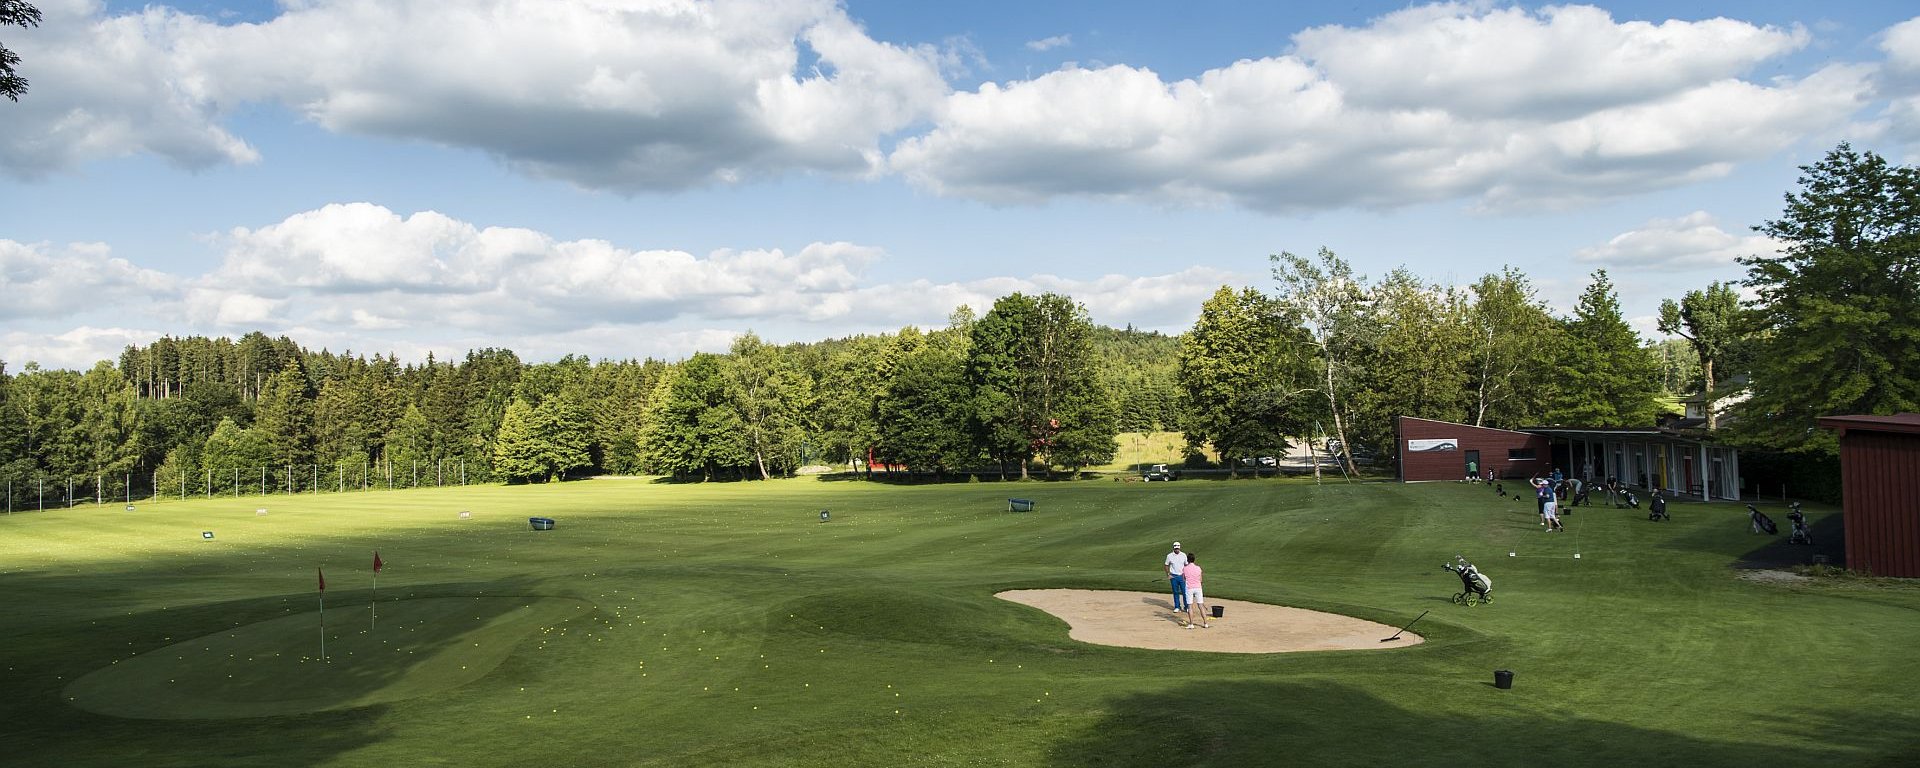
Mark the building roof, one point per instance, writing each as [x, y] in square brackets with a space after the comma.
[1469, 426]
[1602, 433]
[1899, 422]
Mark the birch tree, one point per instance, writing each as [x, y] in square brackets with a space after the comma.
[1331, 305]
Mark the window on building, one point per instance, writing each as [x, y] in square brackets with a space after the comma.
[1519, 454]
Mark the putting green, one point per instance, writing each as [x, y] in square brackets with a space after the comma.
[417, 648]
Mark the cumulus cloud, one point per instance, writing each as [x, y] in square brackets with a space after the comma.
[621, 94]
[1900, 82]
[105, 87]
[1050, 43]
[1500, 105]
[41, 281]
[1504, 106]
[1555, 63]
[1692, 242]
[363, 277]
[76, 349]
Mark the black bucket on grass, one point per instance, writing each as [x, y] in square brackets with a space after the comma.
[1219, 611]
[1503, 678]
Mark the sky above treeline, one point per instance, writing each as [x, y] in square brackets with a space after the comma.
[650, 178]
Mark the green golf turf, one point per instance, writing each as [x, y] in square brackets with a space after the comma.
[724, 624]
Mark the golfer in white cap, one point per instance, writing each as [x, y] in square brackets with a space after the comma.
[1176, 566]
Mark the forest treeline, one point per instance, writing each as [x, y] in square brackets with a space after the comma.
[1031, 384]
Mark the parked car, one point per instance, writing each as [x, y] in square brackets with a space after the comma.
[1160, 472]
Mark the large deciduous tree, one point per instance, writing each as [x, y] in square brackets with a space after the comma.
[110, 420]
[920, 415]
[771, 398]
[1036, 386]
[1839, 308]
[1242, 374]
[1711, 322]
[1331, 304]
[1512, 341]
[232, 454]
[1417, 363]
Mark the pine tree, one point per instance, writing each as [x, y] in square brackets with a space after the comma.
[1607, 377]
[517, 448]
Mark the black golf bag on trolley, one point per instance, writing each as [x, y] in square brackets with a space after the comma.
[1800, 533]
[1761, 523]
[1475, 587]
[1657, 509]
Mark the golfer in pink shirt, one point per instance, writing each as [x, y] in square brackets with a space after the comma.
[1195, 599]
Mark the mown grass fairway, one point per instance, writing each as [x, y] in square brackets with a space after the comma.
[724, 624]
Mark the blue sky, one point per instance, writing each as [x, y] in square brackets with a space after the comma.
[632, 178]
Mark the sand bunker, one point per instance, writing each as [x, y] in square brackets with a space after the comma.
[1147, 620]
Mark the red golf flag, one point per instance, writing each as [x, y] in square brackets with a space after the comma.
[323, 579]
[376, 561]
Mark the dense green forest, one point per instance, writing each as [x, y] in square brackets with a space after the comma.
[1031, 385]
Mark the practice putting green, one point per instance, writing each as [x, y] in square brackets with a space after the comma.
[417, 647]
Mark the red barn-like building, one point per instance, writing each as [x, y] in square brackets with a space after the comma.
[1442, 450]
[1879, 464]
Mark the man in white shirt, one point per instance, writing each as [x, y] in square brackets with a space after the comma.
[1176, 566]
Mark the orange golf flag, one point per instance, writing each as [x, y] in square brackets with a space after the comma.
[323, 579]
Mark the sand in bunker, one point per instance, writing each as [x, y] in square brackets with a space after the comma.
[1147, 620]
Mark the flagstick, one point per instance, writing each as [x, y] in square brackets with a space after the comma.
[323, 625]
[371, 625]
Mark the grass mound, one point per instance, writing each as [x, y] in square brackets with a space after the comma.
[418, 647]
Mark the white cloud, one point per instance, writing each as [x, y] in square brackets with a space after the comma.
[622, 94]
[1050, 43]
[359, 276]
[1900, 82]
[1901, 44]
[1692, 242]
[42, 281]
[76, 349]
[1558, 62]
[1511, 108]
[109, 87]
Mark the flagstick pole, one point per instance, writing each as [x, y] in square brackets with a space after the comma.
[371, 624]
[323, 625]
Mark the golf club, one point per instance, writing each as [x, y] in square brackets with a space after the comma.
[1396, 635]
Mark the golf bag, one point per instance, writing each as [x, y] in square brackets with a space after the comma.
[1475, 587]
[1761, 523]
[1800, 534]
[1657, 509]
[1627, 499]
[1580, 496]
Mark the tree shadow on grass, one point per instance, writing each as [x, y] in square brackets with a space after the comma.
[1829, 540]
[1323, 723]
[40, 727]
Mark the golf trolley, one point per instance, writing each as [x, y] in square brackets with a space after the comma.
[1657, 509]
[1475, 587]
[1800, 534]
[1760, 522]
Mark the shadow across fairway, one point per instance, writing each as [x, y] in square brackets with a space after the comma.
[41, 726]
[1325, 723]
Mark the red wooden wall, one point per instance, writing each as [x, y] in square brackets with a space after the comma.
[1493, 445]
[1880, 489]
